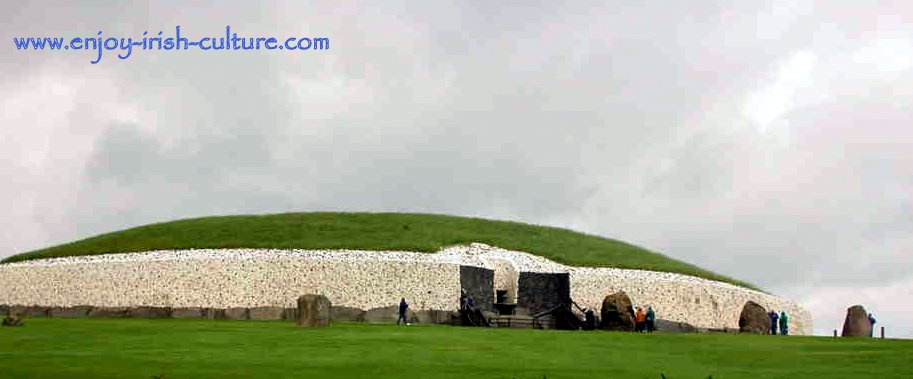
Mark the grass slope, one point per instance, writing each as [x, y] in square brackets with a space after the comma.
[375, 231]
[171, 348]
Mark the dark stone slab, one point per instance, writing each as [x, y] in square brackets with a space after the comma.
[104, 312]
[479, 283]
[339, 313]
[190, 312]
[149, 312]
[617, 312]
[314, 311]
[537, 292]
[266, 313]
[78, 311]
[753, 319]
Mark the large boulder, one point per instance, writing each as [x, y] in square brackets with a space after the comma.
[857, 322]
[754, 319]
[617, 312]
[313, 311]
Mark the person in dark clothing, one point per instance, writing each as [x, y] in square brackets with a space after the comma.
[773, 321]
[872, 323]
[403, 307]
[651, 319]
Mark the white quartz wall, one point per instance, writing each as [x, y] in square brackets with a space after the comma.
[252, 278]
[681, 298]
[236, 281]
[699, 302]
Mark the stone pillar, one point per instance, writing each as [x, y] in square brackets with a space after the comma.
[857, 322]
[313, 311]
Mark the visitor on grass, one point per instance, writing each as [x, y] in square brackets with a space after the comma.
[773, 321]
[403, 307]
[784, 323]
[640, 320]
[872, 323]
[651, 319]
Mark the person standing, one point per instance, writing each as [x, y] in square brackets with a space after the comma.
[784, 324]
[640, 320]
[403, 307]
[651, 319]
[872, 325]
[773, 321]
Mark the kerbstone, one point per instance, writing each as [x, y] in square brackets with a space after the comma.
[313, 311]
[754, 319]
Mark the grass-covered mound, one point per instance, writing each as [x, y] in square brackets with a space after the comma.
[136, 348]
[374, 231]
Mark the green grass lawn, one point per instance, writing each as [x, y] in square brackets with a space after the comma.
[375, 231]
[139, 348]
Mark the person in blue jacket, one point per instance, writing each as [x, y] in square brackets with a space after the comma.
[773, 321]
[872, 323]
[403, 307]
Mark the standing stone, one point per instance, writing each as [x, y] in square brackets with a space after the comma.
[313, 311]
[617, 312]
[857, 322]
[754, 319]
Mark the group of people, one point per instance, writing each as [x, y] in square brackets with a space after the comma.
[779, 321]
[644, 321]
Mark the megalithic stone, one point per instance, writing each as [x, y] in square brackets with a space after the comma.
[857, 322]
[313, 311]
[753, 319]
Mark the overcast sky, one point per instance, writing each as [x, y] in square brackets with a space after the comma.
[766, 140]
